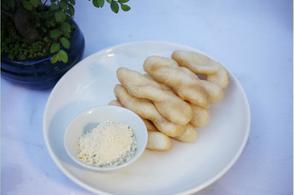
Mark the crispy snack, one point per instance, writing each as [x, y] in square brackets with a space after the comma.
[220, 78]
[166, 102]
[201, 64]
[189, 135]
[185, 84]
[173, 97]
[196, 62]
[214, 91]
[145, 109]
[200, 116]
[158, 141]
[149, 125]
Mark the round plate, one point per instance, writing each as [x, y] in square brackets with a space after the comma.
[186, 168]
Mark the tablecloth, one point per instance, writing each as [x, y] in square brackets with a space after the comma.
[253, 38]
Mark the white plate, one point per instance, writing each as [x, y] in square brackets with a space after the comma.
[186, 168]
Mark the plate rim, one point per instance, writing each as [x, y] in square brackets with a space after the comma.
[210, 181]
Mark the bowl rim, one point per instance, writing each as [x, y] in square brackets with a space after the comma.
[137, 155]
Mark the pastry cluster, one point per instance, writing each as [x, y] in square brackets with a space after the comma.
[173, 96]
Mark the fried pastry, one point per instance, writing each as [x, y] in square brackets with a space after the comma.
[166, 102]
[196, 62]
[156, 140]
[145, 109]
[185, 84]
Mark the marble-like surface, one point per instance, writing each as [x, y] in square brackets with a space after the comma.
[252, 38]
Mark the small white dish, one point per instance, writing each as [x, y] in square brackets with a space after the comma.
[89, 119]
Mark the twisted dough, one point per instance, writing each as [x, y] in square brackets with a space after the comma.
[200, 116]
[156, 140]
[145, 109]
[214, 91]
[187, 84]
[196, 62]
[220, 78]
[148, 124]
[166, 102]
[189, 135]
[201, 64]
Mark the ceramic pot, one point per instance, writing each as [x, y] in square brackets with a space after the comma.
[41, 73]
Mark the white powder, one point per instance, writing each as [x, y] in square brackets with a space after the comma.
[109, 144]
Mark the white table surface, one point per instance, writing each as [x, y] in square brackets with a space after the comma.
[253, 38]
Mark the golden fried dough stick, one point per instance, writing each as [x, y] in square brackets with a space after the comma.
[145, 109]
[196, 62]
[214, 91]
[185, 84]
[189, 135]
[221, 77]
[154, 143]
[156, 140]
[166, 102]
[201, 64]
[200, 116]
[149, 125]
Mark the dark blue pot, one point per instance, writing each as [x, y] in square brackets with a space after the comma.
[40, 73]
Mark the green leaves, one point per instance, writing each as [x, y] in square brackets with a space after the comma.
[70, 10]
[60, 16]
[63, 10]
[55, 47]
[61, 56]
[27, 5]
[35, 3]
[54, 34]
[63, 4]
[30, 4]
[56, 26]
[66, 27]
[65, 42]
[98, 3]
[123, 1]
[114, 6]
[54, 59]
[53, 7]
[125, 7]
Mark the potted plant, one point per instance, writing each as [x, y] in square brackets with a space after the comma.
[40, 40]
